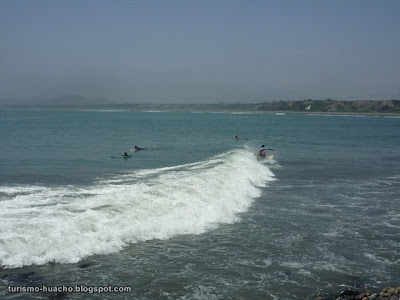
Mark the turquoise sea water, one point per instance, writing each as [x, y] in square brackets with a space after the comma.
[198, 216]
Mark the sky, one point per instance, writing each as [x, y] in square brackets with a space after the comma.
[200, 51]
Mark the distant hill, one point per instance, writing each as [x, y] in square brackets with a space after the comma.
[325, 106]
[361, 106]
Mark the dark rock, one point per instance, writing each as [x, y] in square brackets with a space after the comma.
[360, 296]
[349, 292]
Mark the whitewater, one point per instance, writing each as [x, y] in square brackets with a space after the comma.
[65, 224]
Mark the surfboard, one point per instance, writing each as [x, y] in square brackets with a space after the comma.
[266, 157]
[134, 150]
[121, 157]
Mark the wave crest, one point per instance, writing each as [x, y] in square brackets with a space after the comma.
[65, 224]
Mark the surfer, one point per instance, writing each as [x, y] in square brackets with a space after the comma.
[125, 156]
[137, 148]
[238, 138]
[261, 153]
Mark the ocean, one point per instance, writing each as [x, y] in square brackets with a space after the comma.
[197, 215]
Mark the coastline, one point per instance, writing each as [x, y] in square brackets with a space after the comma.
[325, 107]
[123, 107]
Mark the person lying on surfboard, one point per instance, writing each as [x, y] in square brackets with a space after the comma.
[125, 155]
[137, 148]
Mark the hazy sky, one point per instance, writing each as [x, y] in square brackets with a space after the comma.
[200, 51]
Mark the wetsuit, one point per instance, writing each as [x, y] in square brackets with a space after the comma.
[261, 152]
[137, 148]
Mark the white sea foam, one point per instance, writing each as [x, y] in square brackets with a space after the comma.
[105, 110]
[155, 111]
[67, 223]
[390, 225]
[378, 259]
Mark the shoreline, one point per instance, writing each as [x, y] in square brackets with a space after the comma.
[327, 106]
[123, 107]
